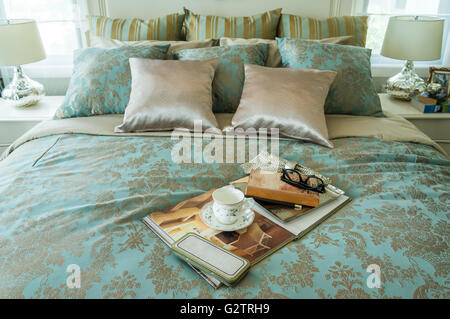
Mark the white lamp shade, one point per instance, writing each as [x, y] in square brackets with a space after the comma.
[20, 42]
[413, 38]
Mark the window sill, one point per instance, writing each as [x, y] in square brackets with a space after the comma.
[388, 70]
[48, 71]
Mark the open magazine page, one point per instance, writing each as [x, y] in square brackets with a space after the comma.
[255, 242]
[304, 223]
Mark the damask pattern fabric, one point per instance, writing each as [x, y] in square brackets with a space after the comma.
[229, 76]
[201, 27]
[273, 55]
[162, 28]
[101, 81]
[292, 26]
[82, 203]
[353, 91]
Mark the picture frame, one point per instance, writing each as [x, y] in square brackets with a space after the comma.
[441, 76]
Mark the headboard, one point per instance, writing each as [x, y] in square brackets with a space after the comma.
[153, 8]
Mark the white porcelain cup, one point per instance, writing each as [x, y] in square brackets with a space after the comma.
[228, 201]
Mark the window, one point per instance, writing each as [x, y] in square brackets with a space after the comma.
[380, 11]
[59, 28]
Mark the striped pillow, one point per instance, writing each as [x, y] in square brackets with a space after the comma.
[297, 27]
[167, 28]
[202, 27]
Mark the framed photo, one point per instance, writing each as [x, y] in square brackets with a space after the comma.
[442, 77]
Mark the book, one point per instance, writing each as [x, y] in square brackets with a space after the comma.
[284, 211]
[425, 108]
[426, 99]
[445, 107]
[263, 237]
[268, 185]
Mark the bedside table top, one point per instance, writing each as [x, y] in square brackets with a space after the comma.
[43, 110]
[406, 110]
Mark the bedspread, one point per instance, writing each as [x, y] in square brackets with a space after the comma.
[76, 199]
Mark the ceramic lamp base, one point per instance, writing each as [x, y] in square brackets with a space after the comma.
[22, 91]
[404, 84]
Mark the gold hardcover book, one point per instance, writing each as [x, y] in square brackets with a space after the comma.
[268, 185]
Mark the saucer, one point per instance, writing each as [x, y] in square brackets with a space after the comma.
[245, 217]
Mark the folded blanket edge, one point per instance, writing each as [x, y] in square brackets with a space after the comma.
[390, 128]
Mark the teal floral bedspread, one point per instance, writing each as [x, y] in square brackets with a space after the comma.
[76, 199]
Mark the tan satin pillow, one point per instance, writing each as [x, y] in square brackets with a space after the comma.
[291, 100]
[274, 57]
[168, 94]
[95, 41]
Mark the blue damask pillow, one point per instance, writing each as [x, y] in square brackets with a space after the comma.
[101, 81]
[229, 77]
[353, 91]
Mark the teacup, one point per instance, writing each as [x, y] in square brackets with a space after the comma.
[228, 201]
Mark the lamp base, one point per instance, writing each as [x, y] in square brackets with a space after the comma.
[404, 84]
[22, 91]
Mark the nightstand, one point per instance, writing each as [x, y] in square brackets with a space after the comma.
[435, 125]
[15, 121]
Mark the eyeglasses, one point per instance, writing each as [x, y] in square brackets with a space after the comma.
[308, 182]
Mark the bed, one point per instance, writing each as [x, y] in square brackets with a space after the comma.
[73, 192]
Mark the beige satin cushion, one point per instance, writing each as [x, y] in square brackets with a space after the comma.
[168, 94]
[274, 57]
[95, 41]
[291, 100]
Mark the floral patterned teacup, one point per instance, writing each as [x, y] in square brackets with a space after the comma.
[228, 201]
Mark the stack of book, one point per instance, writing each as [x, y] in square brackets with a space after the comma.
[281, 199]
[275, 224]
[428, 104]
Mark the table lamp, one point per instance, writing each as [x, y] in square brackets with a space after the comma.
[21, 44]
[412, 39]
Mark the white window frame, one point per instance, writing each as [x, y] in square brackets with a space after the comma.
[337, 7]
[422, 68]
[51, 67]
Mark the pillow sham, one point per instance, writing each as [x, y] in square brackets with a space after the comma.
[290, 100]
[229, 77]
[169, 94]
[168, 27]
[201, 27]
[273, 56]
[174, 45]
[101, 80]
[292, 26]
[353, 91]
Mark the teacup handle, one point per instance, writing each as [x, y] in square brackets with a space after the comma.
[246, 203]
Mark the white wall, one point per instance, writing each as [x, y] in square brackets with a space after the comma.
[155, 8]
